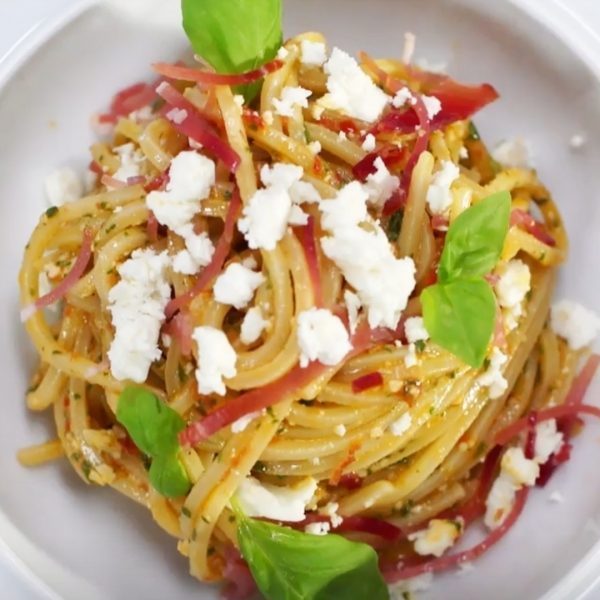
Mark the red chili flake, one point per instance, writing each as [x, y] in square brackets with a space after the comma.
[350, 481]
[365, 382]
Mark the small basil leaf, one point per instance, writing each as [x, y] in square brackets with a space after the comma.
[168, 477]
[460, 316]
[234, 36]
[151, 424]
[289, 564]
[475, 239]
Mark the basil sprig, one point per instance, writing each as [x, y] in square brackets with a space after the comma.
[459, 311]
[154, 428]
[291, 565]
[234, 36]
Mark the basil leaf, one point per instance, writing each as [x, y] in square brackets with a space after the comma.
[234, 36]
[151, 424]
[475, 239]
[168, 477]
[460, 316]
[288, 564]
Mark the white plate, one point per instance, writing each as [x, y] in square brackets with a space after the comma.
[84, 542]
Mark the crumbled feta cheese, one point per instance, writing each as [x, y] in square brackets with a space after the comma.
[437, 538]
[403, 96]
[130, 162]
[312, 54]
[432, 105]
[499, 502]
[270, 210]
[331, 510]
[410, 358]
[516, 471]
[216, 360]
[142, 114]
[252, 325]
[290, 98]
[402, 425]
[556, 497]
[463, 154]
[322, 336]
[439, 196]
[315, 147]
[413, 585]
[522, 471]
[286, 504]
[350, 89]
[380, 185]
[236, 285]
[137, 303]
[368, 144]
[317, 111]
[198, 253]
[63, 185]
[382, 282]
[492, 378]
[548, 440]
[513, 153]
[353, 304]
[282, 53]
[575, 323]
[578, 141]
[511, 289]
[242, 423]
[318, 528]
[339, 430]
[166, 340]
[177, 115]
[239, 100]
[342, 136]
[415, 331]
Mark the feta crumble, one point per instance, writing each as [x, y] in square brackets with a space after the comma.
[137, 304]
[312, 54]
[252, 326]
[380, 185]
[62, 186]
[439, 196]
[315, 147]
[322, 336]
[382, 282]
[286, 504]
[177, 115]
[437, 538]
[492, 377]
[318, 528]
[291, 97]
[282, 53]
[512, 288]
[197, 254]
[415, 331]
[575, 323]
[350, 89]
[130, 161]
[270, 210]
[216, 360]
[513, 153]
[331, 510]
[368, 144]
[339, 430]
[236, 285]
[548, 440]
[402, 97]
[433, 106]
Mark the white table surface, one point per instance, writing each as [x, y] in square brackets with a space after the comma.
[21, 17]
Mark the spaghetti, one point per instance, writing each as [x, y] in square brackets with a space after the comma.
[394, 434]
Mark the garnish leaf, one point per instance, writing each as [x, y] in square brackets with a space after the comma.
[289, 564]
[168, 477]
[475, 239]
[154, 428]
[234, 36]
[151, 424]
[460, 316]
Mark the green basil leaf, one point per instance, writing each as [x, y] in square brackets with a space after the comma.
[460, 316]
[288, 564]
[151, 424]
[168, 477]
[475, 239]
[234, 36]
